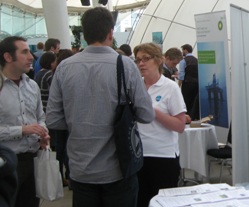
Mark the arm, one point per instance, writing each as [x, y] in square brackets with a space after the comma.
[171, 111]
[182, 66]
[55, 118]
[174, 123]
[40, 128]
[13, 129]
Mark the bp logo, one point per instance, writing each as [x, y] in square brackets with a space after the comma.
[220, 25]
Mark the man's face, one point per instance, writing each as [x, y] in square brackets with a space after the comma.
[184, 52]
[23, 58]
[56, 50]
[171, 63]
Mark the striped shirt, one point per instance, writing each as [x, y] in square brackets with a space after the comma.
[44, 79]
[20, 106]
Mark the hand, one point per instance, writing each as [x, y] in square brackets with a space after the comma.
[188, 119]
[34, 129]
[44, 141]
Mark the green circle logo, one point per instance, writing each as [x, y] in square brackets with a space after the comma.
[220, 25]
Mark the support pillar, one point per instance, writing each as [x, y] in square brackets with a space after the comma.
[57, 22]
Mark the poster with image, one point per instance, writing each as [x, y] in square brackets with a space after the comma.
[212, 50]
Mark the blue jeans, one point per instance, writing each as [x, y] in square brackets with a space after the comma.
[122, 193]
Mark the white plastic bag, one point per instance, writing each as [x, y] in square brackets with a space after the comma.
[48, 180]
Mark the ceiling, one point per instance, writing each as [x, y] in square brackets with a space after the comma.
[35, 6]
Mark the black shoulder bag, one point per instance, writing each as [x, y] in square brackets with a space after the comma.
[127, 139]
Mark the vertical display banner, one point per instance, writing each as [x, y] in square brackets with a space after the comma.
[212, 50]
[157, 38]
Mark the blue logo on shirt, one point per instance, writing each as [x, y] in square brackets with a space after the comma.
[158, 98]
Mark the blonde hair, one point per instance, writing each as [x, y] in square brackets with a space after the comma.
[153, 50]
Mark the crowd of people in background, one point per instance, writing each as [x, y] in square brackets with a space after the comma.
[68, 102]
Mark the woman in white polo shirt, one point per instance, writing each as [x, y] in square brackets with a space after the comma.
[161, 167]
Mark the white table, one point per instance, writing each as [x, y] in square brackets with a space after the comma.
[193, 144]
[215, 195]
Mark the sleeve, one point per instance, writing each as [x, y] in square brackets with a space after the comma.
[182, 66]
[55, 118]
[176, 101]
[39, 109]
[138, 94]
[10, 133]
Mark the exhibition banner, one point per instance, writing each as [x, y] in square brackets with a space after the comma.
[157, 38]
[212, 50]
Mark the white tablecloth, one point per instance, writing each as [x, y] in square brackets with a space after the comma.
[193, 144]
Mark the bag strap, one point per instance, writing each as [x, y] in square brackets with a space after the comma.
[121, 74]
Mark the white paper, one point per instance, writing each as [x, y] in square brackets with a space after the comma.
[229, 203]
[197, 189]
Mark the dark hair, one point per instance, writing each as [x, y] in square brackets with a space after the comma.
[126, 49]
[63, 54]
[96, 24]
[47, 59]
[51, 42]
[187, 47]
[173, 53]
[8, 45]
[40, 45]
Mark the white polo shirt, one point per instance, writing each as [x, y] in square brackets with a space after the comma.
[157, 140]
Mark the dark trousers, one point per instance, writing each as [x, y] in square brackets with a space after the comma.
[189, 93]
[61, 137]
[122, 193]
[26, 193]
[156, 173]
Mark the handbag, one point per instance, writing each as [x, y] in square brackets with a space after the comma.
[48, 180]
[128, 142]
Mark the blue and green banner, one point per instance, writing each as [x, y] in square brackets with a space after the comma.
[212, 50]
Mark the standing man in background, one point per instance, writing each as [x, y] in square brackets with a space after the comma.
[83, 99]
[188, 77]
[22, 120]
[171, 59]
[52, 45]
[40, 49]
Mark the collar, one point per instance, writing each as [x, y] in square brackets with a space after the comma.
[99, 49]
[160, 81]
[23, 77]
[189, 54]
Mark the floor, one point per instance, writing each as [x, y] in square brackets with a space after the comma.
[227, 178]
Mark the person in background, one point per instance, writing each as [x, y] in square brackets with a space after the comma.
[127, 50]
[121, 52]
[83, 99]
[172, 57]
[40, 49]
[22, 120]
[36, 55]
[188, 79]
[44, 77]
[51, 45]
[62, 135]
[161, 167]
[8, 175]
